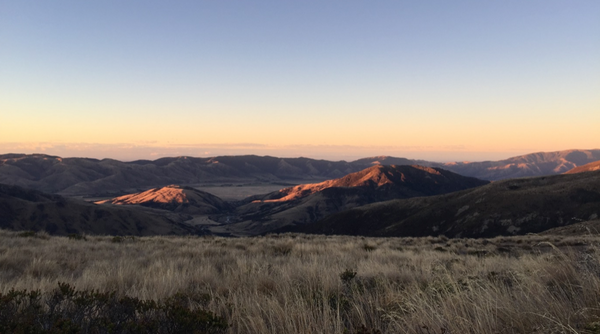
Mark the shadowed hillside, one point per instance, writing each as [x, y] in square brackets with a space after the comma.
[311, 202]
[24, 209]
[508, 207]
[174, 198]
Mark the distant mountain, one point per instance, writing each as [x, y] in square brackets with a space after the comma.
[592, 166]
[92, 177]
[387, 160]
[174, 198]
[24, 209]
[534, 164]
[311, 202]
[516, 206]
[82, 176]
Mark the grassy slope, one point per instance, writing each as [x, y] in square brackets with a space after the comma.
[516, 206]
[306, 284]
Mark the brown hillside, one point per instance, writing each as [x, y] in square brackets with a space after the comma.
[312, 202]
[592, 166]
[423, 180]
[517, 206]
[174, 198]
[24, 209]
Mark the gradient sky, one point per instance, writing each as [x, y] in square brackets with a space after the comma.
[438, 80]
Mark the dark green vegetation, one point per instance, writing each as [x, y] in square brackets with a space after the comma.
[66, 310]
[516, 206]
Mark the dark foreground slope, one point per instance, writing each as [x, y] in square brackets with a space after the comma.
[312, 202]
[508, 207]
[24, 209]
[174, 198]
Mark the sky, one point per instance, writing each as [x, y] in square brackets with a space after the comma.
[435, 80]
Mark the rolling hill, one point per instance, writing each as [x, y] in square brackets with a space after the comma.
[517, 206]
[592, 166]
[174, 198]
[24, 209]
[311, 202]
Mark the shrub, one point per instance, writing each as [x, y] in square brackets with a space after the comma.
[76, 236]
[347, 276]
[282, 249]
[66, 310]
[369, 248]
[33, 234]
[26, 234]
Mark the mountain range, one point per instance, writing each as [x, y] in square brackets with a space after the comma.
[107, 177]
[370, 196]
[312, 202]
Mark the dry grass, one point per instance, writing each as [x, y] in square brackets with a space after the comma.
[306, 284]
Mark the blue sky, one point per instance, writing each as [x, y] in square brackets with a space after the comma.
[448, 79]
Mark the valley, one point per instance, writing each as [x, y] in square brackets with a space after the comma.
[109, 178]
[251, 195]
[290, 248]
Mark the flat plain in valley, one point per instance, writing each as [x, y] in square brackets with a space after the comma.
[240, 191]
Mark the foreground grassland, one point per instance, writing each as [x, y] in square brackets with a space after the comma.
[317, 284]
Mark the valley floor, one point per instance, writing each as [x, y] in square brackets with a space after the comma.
[316, 284]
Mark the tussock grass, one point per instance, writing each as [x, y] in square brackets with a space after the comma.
[316, 284]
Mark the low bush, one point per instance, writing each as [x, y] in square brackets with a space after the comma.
[76, 236]
[66, 310]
